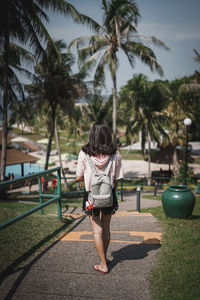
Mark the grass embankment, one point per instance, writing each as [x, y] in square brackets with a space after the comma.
[176, 275]
[28, 236]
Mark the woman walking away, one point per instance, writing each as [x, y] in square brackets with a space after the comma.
[99, 158]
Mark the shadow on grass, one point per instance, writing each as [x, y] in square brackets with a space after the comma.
[12, 268]
[194, 217]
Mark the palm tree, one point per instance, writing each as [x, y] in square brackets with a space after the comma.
[56, 86]
[22, 20]
[59, 153]
[18, 114]
[14, 88]
[97, 108]
[145, 101]
[190, 95]
[176, 114]
[120, 18]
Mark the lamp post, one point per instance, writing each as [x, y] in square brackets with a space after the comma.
[187, 122]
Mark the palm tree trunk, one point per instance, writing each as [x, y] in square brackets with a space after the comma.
[149, 158]
[53, 113]
[114, 78]
[59, 154]
[129, 149]
[5, 104]
[175, 164]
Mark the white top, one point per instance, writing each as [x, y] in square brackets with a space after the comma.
[100, 161]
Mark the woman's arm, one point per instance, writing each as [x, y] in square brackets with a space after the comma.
[115, 183]
[79, 178]
[80, 167]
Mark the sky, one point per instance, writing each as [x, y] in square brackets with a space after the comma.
[174, 22]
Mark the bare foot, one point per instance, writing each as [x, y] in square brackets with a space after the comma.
[101, 269]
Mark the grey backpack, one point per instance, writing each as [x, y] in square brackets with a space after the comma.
[100, 194]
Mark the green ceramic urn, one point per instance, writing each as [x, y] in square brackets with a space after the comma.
[178, 201]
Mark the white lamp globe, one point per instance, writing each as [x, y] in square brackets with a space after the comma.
[187, 121]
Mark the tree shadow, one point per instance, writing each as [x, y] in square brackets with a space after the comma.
[132, 252]
[194, 217]
[12, 268]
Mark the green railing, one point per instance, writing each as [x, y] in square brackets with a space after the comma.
[129, 181]
[53, 197]
[73, 191]
[133, 182]
[126, 181]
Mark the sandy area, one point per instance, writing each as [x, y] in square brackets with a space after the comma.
[138, 168]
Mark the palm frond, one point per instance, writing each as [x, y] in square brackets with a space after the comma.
[61, 7]
[26, 73]
[25, 56]
[79, 42]
[120, 11]
[100, 72]
[145, 54]
[34, 42]
[130, 55]
[92, 52]
[94, 26]
[197, 57]
[152, 40]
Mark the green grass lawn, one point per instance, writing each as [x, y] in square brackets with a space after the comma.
[176, 275]
[133, 155]
[28, 236]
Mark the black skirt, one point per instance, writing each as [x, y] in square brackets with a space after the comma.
[105, 211]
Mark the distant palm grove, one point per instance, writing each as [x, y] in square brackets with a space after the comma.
[154, 110]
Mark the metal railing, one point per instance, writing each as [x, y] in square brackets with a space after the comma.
[123, 183]
[53, 197]
[126, 181]
[130, 181]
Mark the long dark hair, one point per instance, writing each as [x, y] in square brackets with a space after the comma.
[100, 141]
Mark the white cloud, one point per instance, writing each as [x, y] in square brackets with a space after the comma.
[67, 33]
[171, 32]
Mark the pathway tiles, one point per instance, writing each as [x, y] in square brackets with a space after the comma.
[64, 269]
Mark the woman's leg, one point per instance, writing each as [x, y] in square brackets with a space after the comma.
[98, 241]
[105, 221]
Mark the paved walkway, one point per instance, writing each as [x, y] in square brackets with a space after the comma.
[64, 269]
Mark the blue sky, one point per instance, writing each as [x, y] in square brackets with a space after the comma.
[175, 22]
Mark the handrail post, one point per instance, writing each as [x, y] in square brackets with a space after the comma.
[40, 193]
[155, 190]
[138, 199]
[142, 184]
[59, 193]
[122, 190]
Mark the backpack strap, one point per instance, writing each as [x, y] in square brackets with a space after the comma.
[91, 164]
[93, 168]
[109, 164]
